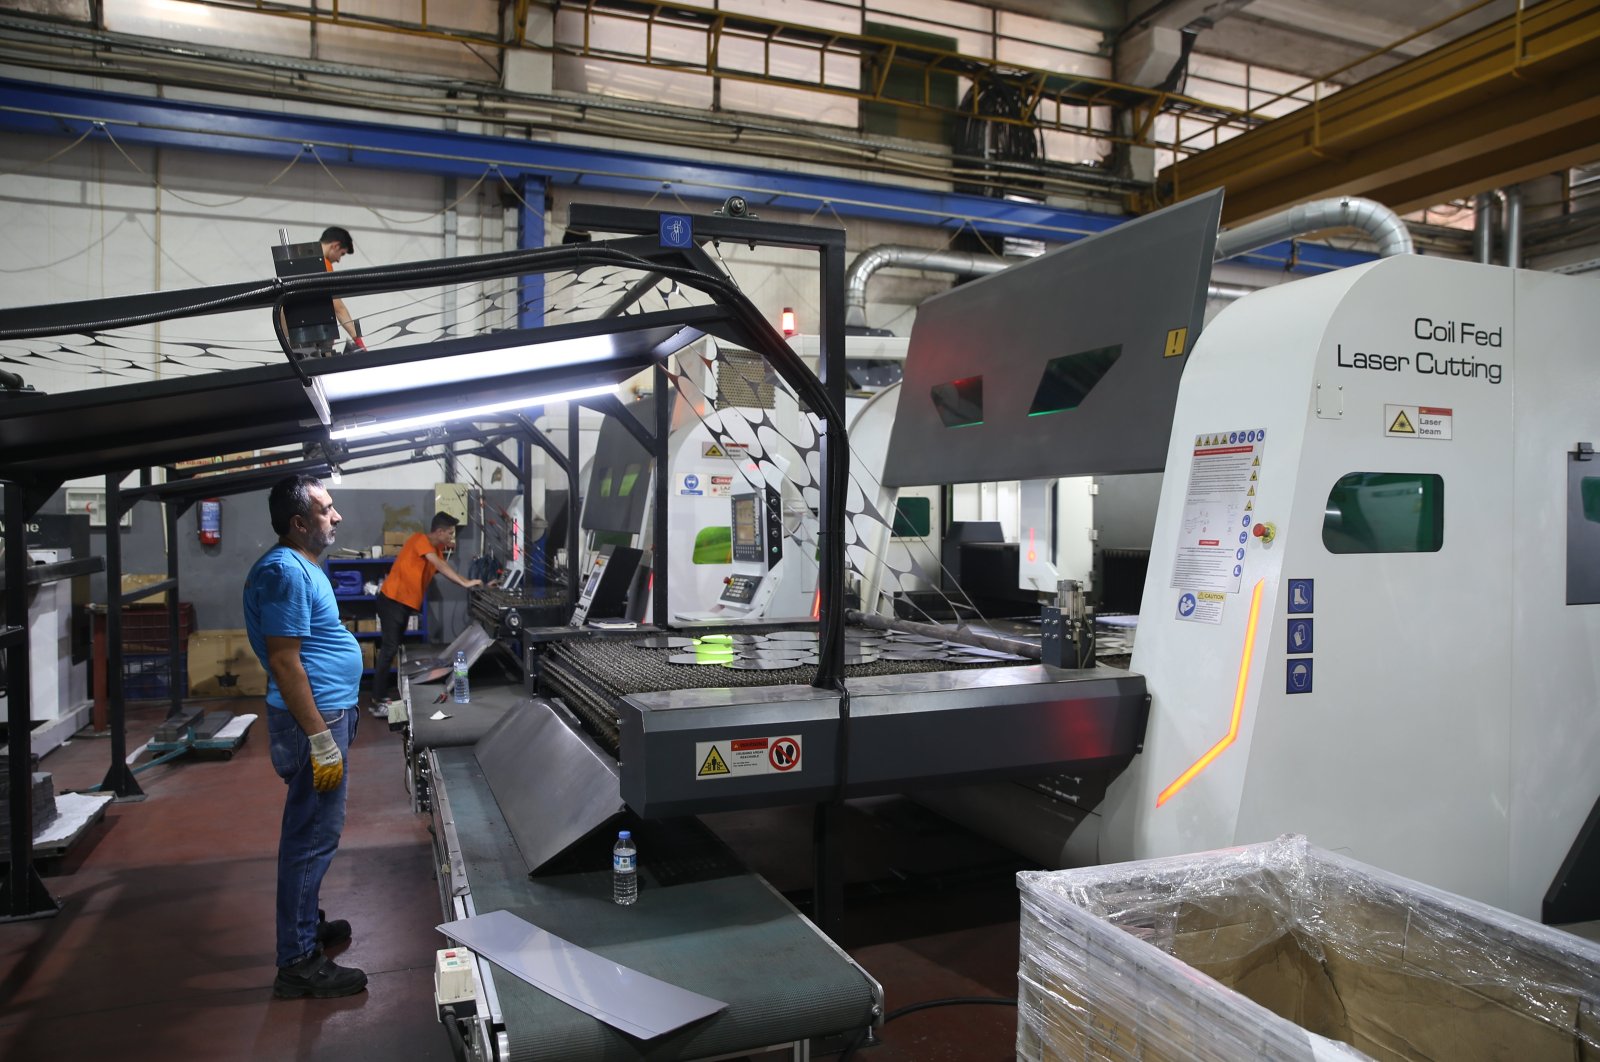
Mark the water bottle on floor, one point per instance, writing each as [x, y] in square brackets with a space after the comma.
[624, 869]
[461, 692]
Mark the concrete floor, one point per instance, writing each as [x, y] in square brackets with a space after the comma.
[163, 947]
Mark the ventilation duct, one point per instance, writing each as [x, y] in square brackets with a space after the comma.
[1380, 223]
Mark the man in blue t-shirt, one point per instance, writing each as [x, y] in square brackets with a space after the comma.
[313, 669]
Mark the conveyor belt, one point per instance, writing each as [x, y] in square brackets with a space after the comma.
[503, 613]
[701, 922]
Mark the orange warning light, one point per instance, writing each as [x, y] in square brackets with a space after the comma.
[1238, 703]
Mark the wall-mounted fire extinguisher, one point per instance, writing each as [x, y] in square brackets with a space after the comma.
[210, 521]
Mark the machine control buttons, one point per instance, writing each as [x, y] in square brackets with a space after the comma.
[1265, 530]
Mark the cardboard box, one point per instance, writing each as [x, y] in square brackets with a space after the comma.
[392, 550]
[222, 664]
[131, 583]
[396, 538]
[369, 653]
[367, 626]
[1284, 951]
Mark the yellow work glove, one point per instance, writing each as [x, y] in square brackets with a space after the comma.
[327, 766]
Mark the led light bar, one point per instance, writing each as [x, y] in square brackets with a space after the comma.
[393, 427]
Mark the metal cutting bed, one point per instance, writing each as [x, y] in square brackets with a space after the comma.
[593, 675]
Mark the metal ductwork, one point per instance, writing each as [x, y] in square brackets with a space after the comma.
[1375, 219]
[960, 263]
[1513, 202]
[1483, 228]
[1347, 212]
[885, 255]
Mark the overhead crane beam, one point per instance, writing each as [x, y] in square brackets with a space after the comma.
[1518, 98]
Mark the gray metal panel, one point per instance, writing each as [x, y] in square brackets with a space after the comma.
[1125, 510]
[660, 762]
[905, 731]
[1130, 286]
[942, 728]
[1583, 533]
[552, 783]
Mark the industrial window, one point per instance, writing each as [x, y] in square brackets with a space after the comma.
[1590, 490]
[960, 402]
[1069, 378]
[1385, 512]
[913, 517]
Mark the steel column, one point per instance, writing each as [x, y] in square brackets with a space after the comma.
[22, 894]
[119, 779]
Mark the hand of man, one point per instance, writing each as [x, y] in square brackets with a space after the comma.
[361, 344]
[473, 583]
[327, 766]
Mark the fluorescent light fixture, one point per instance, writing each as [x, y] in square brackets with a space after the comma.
[342, 385]
[393, 427]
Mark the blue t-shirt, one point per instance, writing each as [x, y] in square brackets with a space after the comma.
[286, 596]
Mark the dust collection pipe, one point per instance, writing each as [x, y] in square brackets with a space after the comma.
[1513, 223]
[1377, 220]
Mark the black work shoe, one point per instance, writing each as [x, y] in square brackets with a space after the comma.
[319, 977]
[330, 933]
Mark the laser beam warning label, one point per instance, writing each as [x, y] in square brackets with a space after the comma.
[743, 757]
[1418, 422]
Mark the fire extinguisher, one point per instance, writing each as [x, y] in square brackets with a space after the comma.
[210, 521]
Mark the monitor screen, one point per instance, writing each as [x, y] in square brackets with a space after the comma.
[746, 524]
[594, 579]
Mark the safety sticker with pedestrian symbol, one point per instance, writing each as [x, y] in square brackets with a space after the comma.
[746, 756]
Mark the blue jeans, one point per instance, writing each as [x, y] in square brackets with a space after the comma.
[312, 823]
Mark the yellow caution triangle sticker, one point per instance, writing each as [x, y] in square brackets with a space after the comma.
[714, 764]
[1402, 424]
[713, 450]
[1257, 461]
[1249, 505]
[1252, 493]
[1254, 476]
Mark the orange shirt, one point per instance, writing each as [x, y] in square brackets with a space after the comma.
[410, 574]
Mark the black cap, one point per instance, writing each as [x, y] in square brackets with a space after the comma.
[340, 236]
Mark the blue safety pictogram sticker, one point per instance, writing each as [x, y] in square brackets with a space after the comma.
[1233, 436]
[1298, 677]
[1250, 436]
[1186, 605]
[1261, 435]
[1300, 635]
[1245, 522]
[1302, 596]
[1237, 568]
[677, 230]
[1238, 554]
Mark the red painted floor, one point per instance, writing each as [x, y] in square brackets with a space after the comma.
[163, 947]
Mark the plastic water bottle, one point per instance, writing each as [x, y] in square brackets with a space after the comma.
[461, 692]
[624, 869]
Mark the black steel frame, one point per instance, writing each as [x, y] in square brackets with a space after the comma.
[39, 454]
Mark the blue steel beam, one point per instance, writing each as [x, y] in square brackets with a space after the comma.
[29, 107]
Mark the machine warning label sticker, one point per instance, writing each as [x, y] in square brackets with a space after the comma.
[728, 451]
[691, 485]
[713, 764]
[1201, 606]
[721, 487]
[1224, 477]
[1417, 422]
[742, 757]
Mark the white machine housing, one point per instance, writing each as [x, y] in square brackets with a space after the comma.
[1442, 721]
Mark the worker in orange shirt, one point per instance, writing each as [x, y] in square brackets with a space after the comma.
[400, 596]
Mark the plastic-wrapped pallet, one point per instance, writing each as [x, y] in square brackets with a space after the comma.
[1285, 951]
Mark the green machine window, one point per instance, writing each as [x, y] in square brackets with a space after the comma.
[913, 517]
[1385, 512]
[1067, 380]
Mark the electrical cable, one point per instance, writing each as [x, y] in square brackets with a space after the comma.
[927, 1004]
